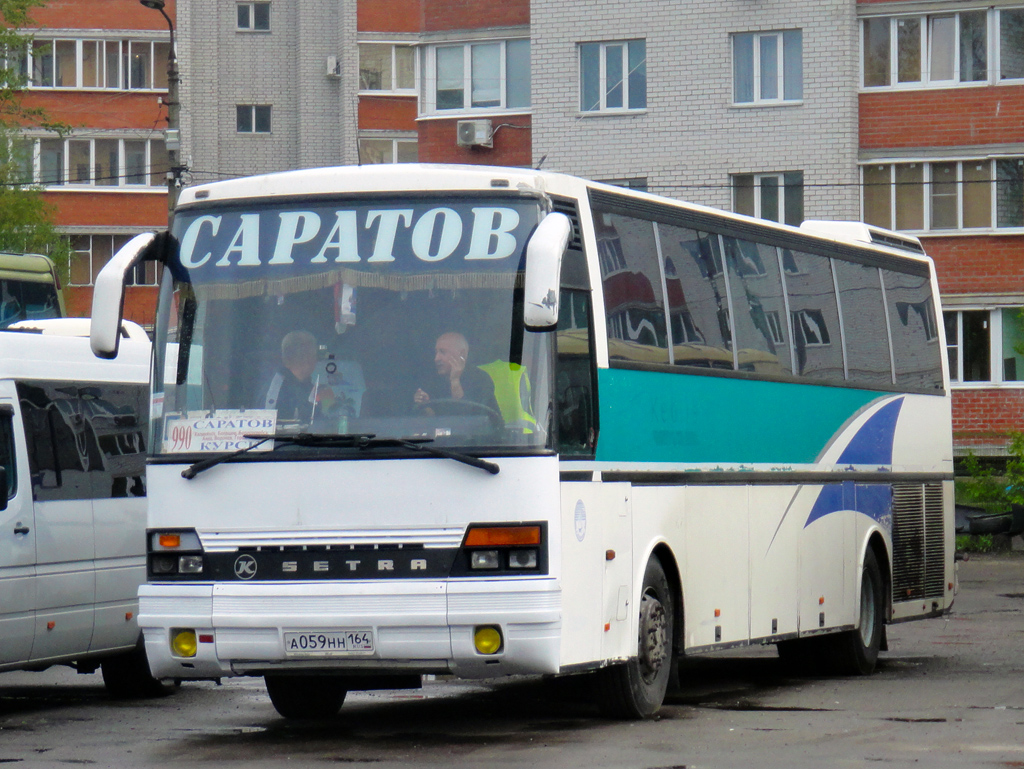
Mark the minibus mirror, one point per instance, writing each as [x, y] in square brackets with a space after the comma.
[108, 296]
[543, 272]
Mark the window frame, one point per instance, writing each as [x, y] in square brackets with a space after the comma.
[996, 355]
[928, 193]
[153, 149]
[993, 52]
[780, 64]
[394, 89]
[253, 131]
[122, 77]
[142, 268]
[428, 80]
[602, 108]
[786, 191]
[252, 28]
[395, 141]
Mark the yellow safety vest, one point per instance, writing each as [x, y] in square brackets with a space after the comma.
[511, 390]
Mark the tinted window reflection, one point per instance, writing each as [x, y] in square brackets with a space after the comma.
[915, 337]
[697, 298]
[867, 338]
[85, 440]
[815, 317]
[632, 289]
[762, 335]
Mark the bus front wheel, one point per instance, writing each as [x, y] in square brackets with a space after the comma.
[306, 697]
[637, 688]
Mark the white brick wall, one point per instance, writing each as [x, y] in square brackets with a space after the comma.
[690, 135]
[313, 119]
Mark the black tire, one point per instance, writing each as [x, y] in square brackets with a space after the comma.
[127, 676]
[855, 652]
[636, 689]
[306, 697]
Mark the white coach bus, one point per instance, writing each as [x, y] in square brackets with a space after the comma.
[493, 421]
[73, 512]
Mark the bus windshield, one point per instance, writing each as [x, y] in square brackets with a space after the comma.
[397, 318]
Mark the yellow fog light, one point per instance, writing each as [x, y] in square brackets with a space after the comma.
[183, 643]
[487, 639]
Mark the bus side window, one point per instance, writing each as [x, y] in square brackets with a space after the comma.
[7, 455]
[574, 376]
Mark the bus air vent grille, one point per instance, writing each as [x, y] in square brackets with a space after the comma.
[918, 542]
[568, 207]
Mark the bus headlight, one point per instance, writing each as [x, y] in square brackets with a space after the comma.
[484, 559]
[190, 564]
[522, 559]
[183, 642]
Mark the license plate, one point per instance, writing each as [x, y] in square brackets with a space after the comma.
[329, 642]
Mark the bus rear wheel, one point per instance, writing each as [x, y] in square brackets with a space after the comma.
[636, 689]
[855, 652]
[306, 697]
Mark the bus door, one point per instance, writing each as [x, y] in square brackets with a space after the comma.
[17, 542]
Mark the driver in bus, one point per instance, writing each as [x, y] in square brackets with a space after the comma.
[455, 381]
[291, 389]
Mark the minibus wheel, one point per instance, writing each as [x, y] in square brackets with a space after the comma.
[636, 689]
[306, 697]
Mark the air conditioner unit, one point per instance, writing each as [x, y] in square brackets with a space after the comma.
[333, 67]
[474, 133]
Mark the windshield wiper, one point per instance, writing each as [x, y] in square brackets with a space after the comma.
[419, 444]
[351, 440]
[299, 439]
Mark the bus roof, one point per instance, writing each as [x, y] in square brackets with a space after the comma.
[419, 177]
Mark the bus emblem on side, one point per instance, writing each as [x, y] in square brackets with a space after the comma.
[580, 516]
[245, 567]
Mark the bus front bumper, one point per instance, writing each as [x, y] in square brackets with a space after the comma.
[417, 626]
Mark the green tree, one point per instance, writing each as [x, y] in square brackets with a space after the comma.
[26, 220]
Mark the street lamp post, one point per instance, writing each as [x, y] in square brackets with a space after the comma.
[172, 137]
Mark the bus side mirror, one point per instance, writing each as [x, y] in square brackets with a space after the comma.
[543, 272]
[108, 296]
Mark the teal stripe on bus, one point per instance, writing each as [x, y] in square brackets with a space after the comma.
[669, 417]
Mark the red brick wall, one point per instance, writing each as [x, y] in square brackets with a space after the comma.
[942, 117]
[980, 263]
[389, 16]
[110, 209]
[983, 417]
[92, 110]
[100, 14]
[474, 14]
[394, 113]
[512, 146]
[139, 303]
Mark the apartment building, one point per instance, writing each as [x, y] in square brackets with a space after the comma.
[905, 113]
[942, 157]
[101, 68]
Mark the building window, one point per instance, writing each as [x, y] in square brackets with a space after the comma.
[121, 65]
[252, 118]
[78, 161]
[253, 17]
[470, 77]
[768, 67]
[613, 76]
[945, 195]
[387, 68]
[1011, 44]
[985, 345]
[91, 252]
[778, 197]
[942, 49]
[372, 151]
